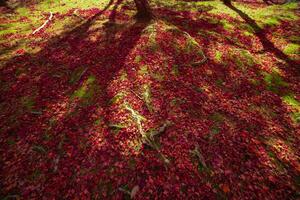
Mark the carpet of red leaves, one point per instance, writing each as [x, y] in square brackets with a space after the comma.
[65, 133]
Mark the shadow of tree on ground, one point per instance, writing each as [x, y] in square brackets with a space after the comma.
[267, 44]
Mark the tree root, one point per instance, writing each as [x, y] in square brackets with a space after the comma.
[45, 23]
[148, 137]
[199, 156]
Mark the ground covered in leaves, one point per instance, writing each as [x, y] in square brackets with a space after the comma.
[201, 103]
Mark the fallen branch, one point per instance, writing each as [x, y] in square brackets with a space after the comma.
[45, 23]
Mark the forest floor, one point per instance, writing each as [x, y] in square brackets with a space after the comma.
[201, 103]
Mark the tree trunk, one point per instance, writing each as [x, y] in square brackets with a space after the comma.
[143, 9]
[3, 3]
[227, 2]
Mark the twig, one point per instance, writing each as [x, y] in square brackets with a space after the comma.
[123, 190]
[56, 161]
[136, 94]
[45, 23]
[36, 112]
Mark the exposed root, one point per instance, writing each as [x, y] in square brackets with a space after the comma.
[45, 23]
[148, 137]
[138, 96]
[204, 59]
[196, 153]
[193, 42]
[75, 13]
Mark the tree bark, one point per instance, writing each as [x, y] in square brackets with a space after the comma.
[143, 9]
[227, 2]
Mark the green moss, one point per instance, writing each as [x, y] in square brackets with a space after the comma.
[218, 56]
[217, 117]
[123, 76]
[274, 82]
[191, 45]
[276, 161]
[242, 58]
[295, 104]
[247, 56]
[158, 76]
[271, 21]
[16, 27]
[227, 25]
[292, 48]
[11, 142]
[23, 11]
[292, 5]
[116, 127]
[80, 92]
[219, 82]
[147, 97]
[7, 31]
[136, 116]
[117, 98]
[63, 6]
[265, 16]
[27, 102]
[152, 43]
[77, 74]
[247, 33]
[138, 59]
[87, 91]
[254, 81]
[294, 38]
[296, 117]
[290, 100]
[175, 70]
[98, 121]
[217, 7]
[213, 131]
[143, 70]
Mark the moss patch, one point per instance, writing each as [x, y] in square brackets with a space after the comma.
[292, 48]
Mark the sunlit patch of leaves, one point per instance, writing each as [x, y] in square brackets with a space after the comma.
[152, 43]
[292, 48]
[138, 59]
[147, 97]
[86, 93]
[295, 105]
[242, 58]
[218, 56]
[117, 98]
[143, 70]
